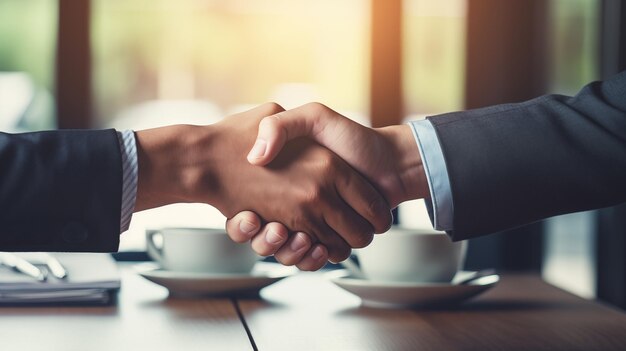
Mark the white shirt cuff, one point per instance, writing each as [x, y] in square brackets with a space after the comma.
[128, 149]
[436, 174]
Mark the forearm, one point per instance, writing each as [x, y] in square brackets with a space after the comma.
[170, 170]
[408, 167]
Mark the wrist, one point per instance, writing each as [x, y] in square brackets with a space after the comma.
[165, 166]
[408, 166]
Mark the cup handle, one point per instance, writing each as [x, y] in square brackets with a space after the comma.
[153, 251]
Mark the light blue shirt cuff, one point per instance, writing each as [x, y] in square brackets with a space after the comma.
[128, 149]
[436, 174]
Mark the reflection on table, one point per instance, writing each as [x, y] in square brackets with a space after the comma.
[307, 312]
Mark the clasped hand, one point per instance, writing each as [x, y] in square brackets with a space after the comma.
[298, 201]
[387, 157]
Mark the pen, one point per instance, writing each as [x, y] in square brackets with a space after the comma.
[55, 267]
[21, 265]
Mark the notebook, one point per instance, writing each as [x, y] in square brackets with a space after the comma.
[92, 278]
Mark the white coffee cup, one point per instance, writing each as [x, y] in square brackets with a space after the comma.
[412, 255]
[199, 250]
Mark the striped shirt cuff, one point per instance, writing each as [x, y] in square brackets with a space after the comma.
[128, 149]
[436, 174]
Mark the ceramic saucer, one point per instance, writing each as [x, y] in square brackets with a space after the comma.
[191, 284]
[407, 294]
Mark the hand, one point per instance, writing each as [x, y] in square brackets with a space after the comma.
[274, 239]
[307, 188]
[388, 157]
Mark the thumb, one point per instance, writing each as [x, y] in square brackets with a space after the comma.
[274, 131]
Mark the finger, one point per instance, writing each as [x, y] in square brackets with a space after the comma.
[338, 248]
[270, 239]
[315, 259]
[274, 131]
[354, 229]
[365, 200]
[266, 109]
[243, 226]
[294, 250]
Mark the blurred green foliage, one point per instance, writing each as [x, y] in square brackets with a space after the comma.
[239, 52]
[229, 52]
[574, 44]
[28, 38]
[434, 55]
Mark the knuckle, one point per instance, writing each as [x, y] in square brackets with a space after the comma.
[374, 208]
[340, 253]
[380, 214]
[306, 239]
[344, 180]
[316, 107]
[330, 159]
[249, 217]
[362, 240]
[273, 108]
[299, 221]
[279, 231]
[327, 163]
[313, 196]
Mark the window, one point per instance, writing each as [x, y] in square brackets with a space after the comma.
[165, 62]
[433, 71]
[215, 57]
[27, 47]
[433, 56]
[569, 254]
[162, 62]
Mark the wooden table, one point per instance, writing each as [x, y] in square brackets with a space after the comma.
[306, 312]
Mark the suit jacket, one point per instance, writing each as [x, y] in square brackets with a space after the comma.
[513, 164]
[60, 191]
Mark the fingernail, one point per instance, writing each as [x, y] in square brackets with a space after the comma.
[273, 237]
[298, 243]
[247, 227]
[317, 253]
[258, 150]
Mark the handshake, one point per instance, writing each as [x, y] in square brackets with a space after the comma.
[305, 185]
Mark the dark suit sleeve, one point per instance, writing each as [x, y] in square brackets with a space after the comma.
[513, 164]
[60, 191]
